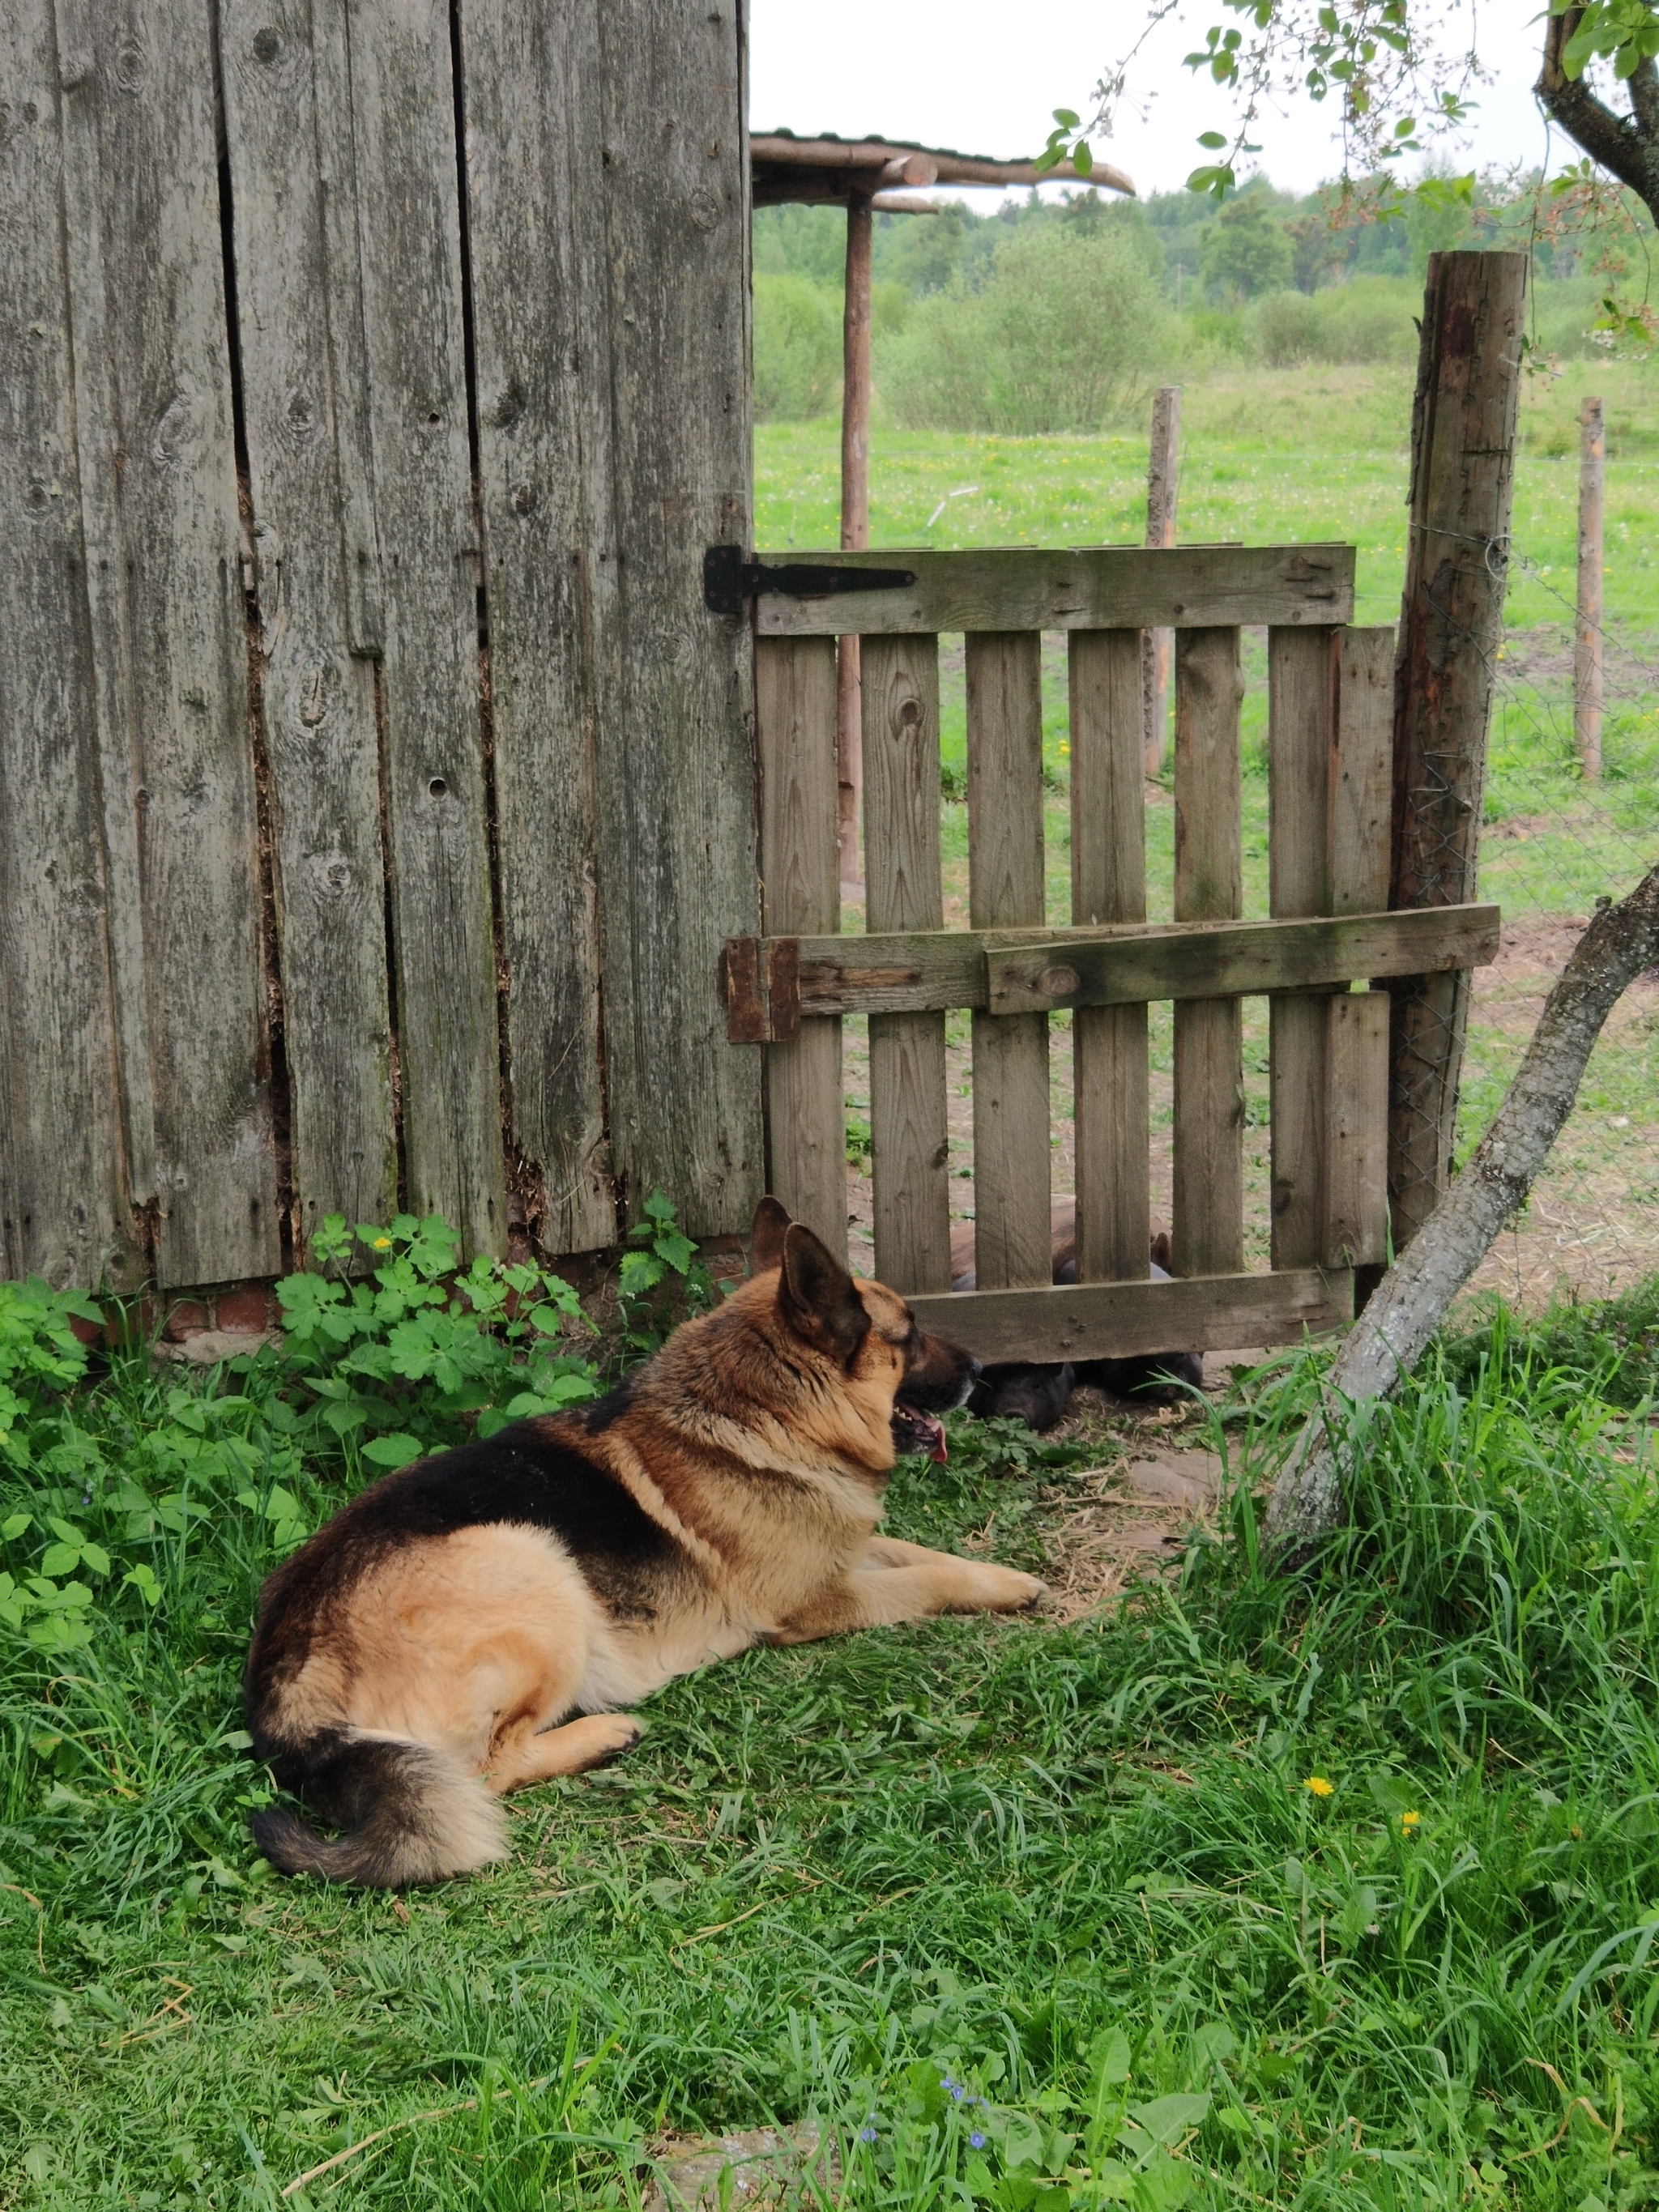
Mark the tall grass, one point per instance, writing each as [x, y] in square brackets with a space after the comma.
[1074, 1873]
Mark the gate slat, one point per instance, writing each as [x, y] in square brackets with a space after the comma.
[319, 696]
[169, 640]
[1355, 1225]
[62, 1209]
[795, 732]
[1208, 1232]
[528, 71]
[911, 1148]
[449, 1053]
[1109, 884]
[1302, 670]
[1006, 890]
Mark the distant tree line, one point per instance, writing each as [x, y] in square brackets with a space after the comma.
[1054, 316]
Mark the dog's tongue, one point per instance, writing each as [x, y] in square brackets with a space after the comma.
[933, 1430]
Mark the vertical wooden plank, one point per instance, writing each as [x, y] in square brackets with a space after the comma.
[1362, 773]
[663, 246]
[63, 1208]
[523, 80]
[1301, 728]
[1357, 1128]
[796, 733]
[854, 513]
[911, 1149]
[1208, 1232]
[158, 486]
[318, 697]
[403, 134]
[1006, 890]
[1356, 1108]
[1108, 884]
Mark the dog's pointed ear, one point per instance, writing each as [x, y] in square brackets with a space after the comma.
[816, 1296]
[766, 1238]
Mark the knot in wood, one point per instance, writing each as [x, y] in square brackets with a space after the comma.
[267, 44]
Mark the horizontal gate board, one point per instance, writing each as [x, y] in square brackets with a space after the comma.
[1004, 970]
[1237, 959]
[1117, 587]
[1118, 1321]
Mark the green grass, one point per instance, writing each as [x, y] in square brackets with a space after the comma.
[1074, 1870]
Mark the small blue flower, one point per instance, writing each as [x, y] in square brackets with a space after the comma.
[977, 2139]
[952, 2089]
[866, 2135]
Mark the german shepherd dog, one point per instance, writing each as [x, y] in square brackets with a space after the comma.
[469, 1625]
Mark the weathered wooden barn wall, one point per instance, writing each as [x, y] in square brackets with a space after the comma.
[378, 792]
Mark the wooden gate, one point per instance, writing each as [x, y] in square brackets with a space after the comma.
[1330, 719]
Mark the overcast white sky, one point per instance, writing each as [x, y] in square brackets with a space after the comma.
[983, 77]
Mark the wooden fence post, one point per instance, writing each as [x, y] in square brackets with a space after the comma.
[1587, 636]
[1157, 645]
[854, 528]
[1463, 416]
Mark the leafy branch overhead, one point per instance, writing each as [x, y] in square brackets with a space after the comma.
[1404, 73]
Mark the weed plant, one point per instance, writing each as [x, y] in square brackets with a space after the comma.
[1337, 1884]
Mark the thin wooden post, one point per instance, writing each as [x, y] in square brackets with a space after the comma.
[1157, 646]
[1587, 641]
[854, 528]
[1468, 379]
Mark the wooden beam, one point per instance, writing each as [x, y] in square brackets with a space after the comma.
[1107, 587]
[1021, 971]
[1118, 1321]
[774, 156]
[1463, 421]
[855, 530]
[1234, 960]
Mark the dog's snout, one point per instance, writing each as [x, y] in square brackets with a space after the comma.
[975, 1367]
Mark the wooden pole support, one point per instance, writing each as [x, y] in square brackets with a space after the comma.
[1157, 645]
[854, 529]
[1468, 381]
[1587, 635]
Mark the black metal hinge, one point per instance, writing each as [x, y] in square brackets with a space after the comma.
[728, 580]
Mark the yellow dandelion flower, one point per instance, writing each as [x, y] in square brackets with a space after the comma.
[1409, 1821]
[1317, 1786]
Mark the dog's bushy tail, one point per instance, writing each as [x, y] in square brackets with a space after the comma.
[408, 1813]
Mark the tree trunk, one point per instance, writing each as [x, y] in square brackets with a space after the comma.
[1411, 1301]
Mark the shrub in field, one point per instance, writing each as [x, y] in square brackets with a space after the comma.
[797, 349]
[1367, 320]
[1245, 251]
[1063, 334]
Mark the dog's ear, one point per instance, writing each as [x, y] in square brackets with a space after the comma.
[766, 1238]
[816, 1296]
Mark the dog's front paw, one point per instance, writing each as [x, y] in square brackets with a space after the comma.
[1007, 1590]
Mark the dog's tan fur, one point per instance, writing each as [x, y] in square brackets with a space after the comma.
[756, 1446]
